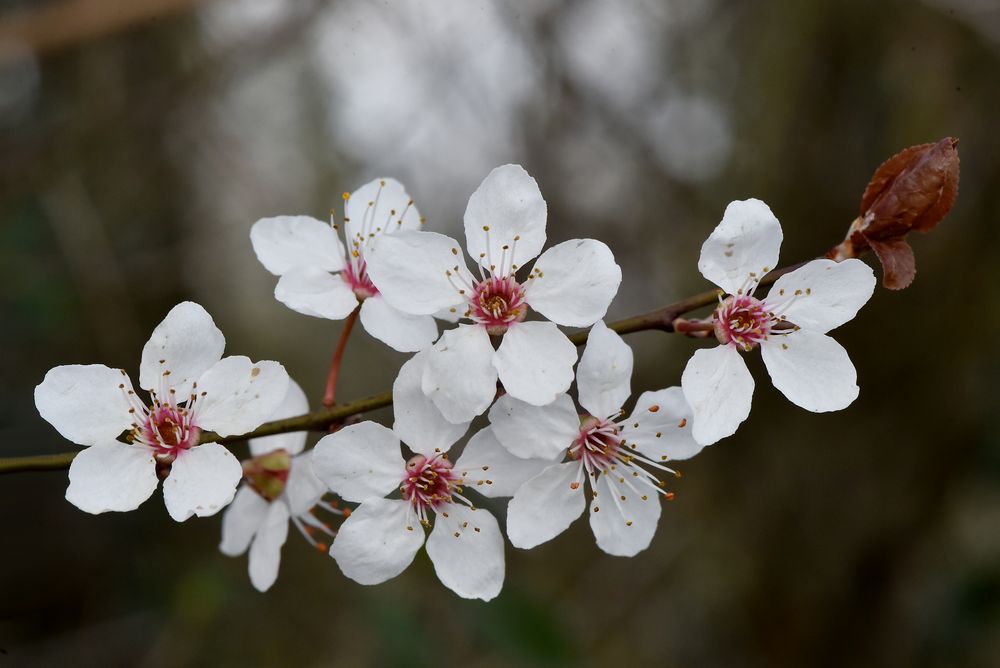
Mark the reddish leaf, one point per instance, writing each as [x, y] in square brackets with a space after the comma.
[898, 264]
[912, 190]
[946, 161]
[887, 173]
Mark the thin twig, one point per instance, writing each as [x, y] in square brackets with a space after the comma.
[315, 421]
[59, 25]
[338, 355]
[662, 319]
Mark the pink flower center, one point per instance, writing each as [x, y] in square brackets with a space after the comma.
[743, 321]
[602, 452]
[167, 427]
[169, 430]
[497, 302]
[598, 445]
[428, 483]
[356, 275]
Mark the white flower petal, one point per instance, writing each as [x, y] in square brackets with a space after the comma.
[283, 243]
[812, 370]
[489, 469]
[604, 375]
[535, 362]
[381, 205]
[545, 506]
[719, 388]
[236, 395]
[625, 528]
[823, 294]
[303, 489]
[241, 520]
[418, 422]
[466, 549]
[186, 344]
[459, 376]
[265, 552]
[662, 426]
[111, 477]
[360, 462]
[315, 292]
[294, 403]
[400, 331]
[746, 241]
[378, 541]
[574, 282]
[410, 271]
[451, 315]
[85, 402]
[202, 481]
[509, 202]
[529, 431]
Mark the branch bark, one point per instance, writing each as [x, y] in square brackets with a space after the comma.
[661, 319]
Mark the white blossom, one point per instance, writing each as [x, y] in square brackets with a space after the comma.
[617, 456]
[571, 284]
[789, 324]
[318, 277]
[362, 463]
[192, 389]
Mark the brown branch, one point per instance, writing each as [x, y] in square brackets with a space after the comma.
[662, 319]
[316, 421]
[36, 463]
[65, 24]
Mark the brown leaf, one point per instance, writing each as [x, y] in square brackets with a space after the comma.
[949, 170]
[898, 264]
[912, 190]
[886, 174]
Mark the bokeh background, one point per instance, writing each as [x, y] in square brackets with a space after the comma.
[140, 140]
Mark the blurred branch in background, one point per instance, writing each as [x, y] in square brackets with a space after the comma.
[27, 159]
[83, 239]
[800, 543]
[60, 25]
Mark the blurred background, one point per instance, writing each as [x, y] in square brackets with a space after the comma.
[140, 140]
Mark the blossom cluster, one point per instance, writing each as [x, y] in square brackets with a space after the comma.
[503, 368]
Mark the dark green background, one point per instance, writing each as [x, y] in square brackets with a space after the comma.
[133, 164]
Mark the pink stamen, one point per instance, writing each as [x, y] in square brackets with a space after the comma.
[601, 451]
[429, 483]
[743, 321]
[597, 446]
[166, 426]
[168, 430]
[356, 275]
[497, 302]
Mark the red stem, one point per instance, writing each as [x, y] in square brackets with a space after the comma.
[338, 355]
[696, 329]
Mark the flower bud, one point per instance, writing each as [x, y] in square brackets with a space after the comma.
[268, 474]
[911, 191]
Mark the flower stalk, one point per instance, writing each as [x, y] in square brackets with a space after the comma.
[329, 397]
